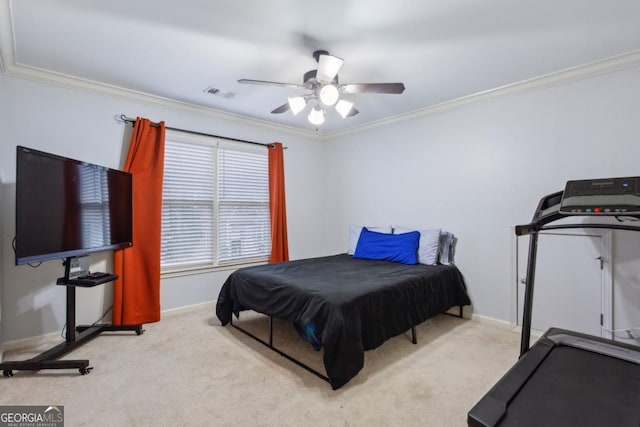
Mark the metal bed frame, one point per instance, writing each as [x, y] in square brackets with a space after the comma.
[269, 344]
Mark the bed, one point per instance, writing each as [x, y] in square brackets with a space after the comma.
[344, 304]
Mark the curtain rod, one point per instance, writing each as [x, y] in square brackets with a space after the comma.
[126, 119]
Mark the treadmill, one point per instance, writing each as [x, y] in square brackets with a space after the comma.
[568, 378]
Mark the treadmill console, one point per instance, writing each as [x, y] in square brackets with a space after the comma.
[610, 196]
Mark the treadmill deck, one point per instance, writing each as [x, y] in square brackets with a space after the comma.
[558, 385]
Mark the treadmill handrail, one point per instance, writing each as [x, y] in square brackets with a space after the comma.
[523, 230]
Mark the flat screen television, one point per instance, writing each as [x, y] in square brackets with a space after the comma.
[67, 208]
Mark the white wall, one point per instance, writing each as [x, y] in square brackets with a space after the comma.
[477, 170]
[80, 124]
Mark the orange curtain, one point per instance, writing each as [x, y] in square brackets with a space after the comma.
[136, 292]
[279, 240]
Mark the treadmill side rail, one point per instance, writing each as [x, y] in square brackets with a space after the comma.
[493, 406]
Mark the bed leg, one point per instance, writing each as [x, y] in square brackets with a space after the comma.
[270, 331]
[413, 335]
[280, 352]
[461, 316]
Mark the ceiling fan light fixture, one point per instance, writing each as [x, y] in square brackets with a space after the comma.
[297, 104]
[344, 108]
[328, 67]
[316, 116]
[329, 95]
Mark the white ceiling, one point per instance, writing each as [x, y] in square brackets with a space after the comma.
[442, 50]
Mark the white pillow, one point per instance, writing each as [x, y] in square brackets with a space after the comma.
[354, 234]
[429, 244]
[447, 248]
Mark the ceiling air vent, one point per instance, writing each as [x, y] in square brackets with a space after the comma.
[219, 92]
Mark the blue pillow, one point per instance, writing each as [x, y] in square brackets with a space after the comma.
[402, 248]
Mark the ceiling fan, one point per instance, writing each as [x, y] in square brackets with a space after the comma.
[325, 90]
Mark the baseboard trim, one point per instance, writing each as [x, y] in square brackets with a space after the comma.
[188, 308]
[503, 324]
[534, 332]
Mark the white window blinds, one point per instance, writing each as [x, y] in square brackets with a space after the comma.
[188, 205]
[243, 206]
[215, 203]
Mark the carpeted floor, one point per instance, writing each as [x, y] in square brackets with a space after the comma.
[188, 370]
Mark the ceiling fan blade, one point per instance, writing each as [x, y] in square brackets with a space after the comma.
[328, 67]
[372, 88]
[281, 109]
[264, 82]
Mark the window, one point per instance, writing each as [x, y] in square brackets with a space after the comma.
[215, 203]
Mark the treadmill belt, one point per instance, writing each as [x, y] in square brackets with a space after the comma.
[590, 389]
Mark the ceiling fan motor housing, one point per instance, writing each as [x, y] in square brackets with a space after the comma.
[317, 53]
[310, 82]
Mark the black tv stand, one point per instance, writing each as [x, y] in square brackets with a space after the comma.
[76, 335]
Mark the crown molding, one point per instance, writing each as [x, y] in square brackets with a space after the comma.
[569, 75]
[72, 82]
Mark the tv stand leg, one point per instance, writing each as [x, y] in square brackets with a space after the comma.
[48, 359]
[105, 327]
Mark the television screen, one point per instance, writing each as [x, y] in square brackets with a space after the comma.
[67, 208]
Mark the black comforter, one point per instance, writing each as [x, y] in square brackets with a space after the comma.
[353, 304]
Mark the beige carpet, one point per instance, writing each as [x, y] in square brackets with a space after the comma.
[187, 370]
